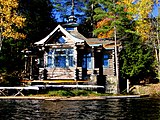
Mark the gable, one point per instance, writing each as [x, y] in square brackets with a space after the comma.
[59, 36]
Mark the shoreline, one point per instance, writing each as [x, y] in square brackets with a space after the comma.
[77, 98]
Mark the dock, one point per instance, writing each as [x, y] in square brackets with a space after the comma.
[40, 85]
[18, 89]
[69, 86]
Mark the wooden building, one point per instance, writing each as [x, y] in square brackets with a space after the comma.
[65, 54]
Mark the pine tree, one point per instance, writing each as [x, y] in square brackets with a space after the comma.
[40, 20]
[112, 23]
[109, 15]
[88, 23]
[137, 61]
[116, 19]
[65, 8]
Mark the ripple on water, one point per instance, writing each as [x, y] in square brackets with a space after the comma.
[110, 109]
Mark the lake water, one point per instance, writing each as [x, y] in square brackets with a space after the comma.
[110, 109]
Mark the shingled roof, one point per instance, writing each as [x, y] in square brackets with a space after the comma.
[76, 34]
[106, 43]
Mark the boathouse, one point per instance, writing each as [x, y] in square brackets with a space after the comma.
[65, 54]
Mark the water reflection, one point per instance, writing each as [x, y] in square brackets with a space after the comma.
[110, 109]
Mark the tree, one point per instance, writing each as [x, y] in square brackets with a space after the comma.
[39, 19]
[65, 8]
[137, 61]
[11, 21]
[140, 10]
[109, 15]
[156, 37]
[120, 20]
[88, 24]
[112, 22]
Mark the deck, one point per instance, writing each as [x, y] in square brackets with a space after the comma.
[40, 85]
[18, 89]
[69, 86]
[70, 81]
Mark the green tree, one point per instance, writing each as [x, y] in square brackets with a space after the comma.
[65, 8]
[136, 57]
[137, 61]
[88, 24]
[109, 15]
[39, 19]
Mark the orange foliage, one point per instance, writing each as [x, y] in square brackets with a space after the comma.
[106, 35]
[137, 10]
[105, 22]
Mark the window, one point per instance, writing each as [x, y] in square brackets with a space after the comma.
[86, 61]
[49, 60]
[61, 40]
[69, 28]
[60, 58]
[106, 60]
[70, 58]
[60, 61]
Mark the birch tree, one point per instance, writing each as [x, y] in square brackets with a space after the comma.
[140, 10]
[10, 20]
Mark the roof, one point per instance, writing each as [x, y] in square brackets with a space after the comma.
[92, 41]
[76, 34]
[77, 37]
[65, 32]
[105, 42]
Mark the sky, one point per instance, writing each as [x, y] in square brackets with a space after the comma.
[155, 10]
[153, 14]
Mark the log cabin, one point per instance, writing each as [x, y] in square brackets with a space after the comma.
[65, 54]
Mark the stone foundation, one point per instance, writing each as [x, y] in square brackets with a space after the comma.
[111, 85]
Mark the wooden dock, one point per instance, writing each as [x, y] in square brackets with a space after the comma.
[69, 86]
[19, 90]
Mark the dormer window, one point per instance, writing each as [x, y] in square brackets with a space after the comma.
[70, 28]
[61, 40]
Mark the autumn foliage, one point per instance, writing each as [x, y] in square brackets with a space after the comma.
[105, 22]
[138, 11]
[10, 20]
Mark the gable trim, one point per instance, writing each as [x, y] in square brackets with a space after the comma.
[59, 27]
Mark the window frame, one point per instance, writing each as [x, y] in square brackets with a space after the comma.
[106, 59]
[87, 61]
[65, 53]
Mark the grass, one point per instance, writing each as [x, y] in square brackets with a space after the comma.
[70, 93]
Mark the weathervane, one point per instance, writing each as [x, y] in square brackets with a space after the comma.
[72, 10]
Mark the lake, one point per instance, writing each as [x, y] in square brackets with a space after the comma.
[109, 109]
